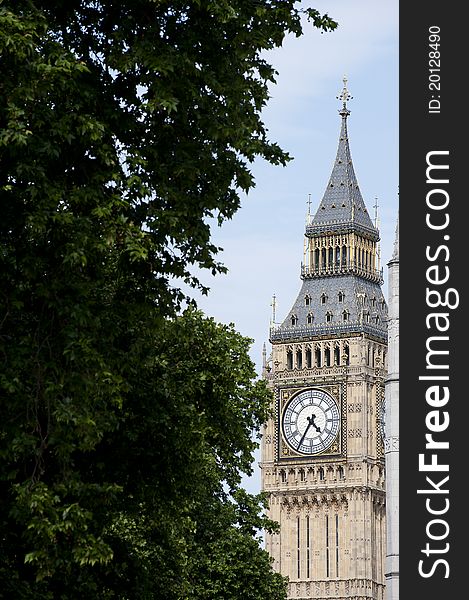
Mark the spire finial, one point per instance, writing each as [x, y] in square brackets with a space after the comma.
[273, 304]
[345, 97]
[378, 246]
[308, 214]
[376, 207]
[265, 368]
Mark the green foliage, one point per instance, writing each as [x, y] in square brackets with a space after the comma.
[126, 423]
[227, 559]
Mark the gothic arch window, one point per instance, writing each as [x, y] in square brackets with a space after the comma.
[327, 547]
[310, 318]
[376, 319]
[346, 355]
[380, 475]
[294, 320]
[302, 474]
[307, 300]
[327, 357]
[373, 301]
[344, 255]
[317, 356]
[340, 473]
[323, 298]
[289, 360]
[309, 358]
[366, 317]
[299, 359]
[329, 317]
[341, 296]
[345, 315]
[321, 474]
[283, 476]
[336, 355]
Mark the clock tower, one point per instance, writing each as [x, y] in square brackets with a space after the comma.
[322, 450]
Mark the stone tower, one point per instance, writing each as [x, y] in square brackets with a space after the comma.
[391, 443]
[322, 451]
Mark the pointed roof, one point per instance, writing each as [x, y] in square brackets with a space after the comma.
[340, 302]
[360, 297]
[342, 202]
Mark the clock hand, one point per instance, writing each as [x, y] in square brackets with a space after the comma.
[310, 422]
[318, 429]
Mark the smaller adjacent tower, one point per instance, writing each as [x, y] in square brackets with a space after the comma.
[391, 418]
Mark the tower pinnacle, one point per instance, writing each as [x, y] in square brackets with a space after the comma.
[345, 97]
[376, 207]
[273, 304]
[395, 254]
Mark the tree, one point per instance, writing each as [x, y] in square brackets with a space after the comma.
[124, 126]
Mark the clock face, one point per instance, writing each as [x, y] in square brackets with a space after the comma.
[310, 422]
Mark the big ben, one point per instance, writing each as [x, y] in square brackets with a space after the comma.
[322, 450]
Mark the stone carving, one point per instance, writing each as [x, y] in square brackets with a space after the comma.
[391, 444]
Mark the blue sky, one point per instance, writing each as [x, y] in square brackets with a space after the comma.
[263, 243]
